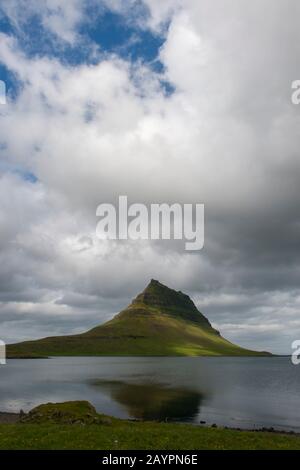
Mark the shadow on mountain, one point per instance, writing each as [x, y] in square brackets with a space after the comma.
[153, 401]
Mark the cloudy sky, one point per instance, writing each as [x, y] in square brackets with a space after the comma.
[163, 101]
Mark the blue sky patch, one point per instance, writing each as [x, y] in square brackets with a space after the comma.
[110, 31]
[113, 34]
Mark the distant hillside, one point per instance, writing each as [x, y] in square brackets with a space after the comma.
[159, 322]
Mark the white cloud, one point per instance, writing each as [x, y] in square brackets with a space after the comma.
[59, 18]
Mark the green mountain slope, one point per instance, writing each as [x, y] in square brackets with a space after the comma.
[159, 322]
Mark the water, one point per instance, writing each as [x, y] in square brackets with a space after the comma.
[237, 392]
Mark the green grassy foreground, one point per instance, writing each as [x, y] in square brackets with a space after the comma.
[77, 425]
[127, 435]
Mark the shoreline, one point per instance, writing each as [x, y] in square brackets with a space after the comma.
[14, 418]
[270, 356]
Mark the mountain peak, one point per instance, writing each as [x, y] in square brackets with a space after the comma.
[168, 301]
[154, 283]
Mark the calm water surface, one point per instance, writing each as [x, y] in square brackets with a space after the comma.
[239, 392]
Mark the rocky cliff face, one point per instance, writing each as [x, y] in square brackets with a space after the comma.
[169, 301]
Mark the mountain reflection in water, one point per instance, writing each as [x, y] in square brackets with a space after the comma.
[150, 401]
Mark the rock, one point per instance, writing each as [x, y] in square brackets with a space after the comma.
[73, 412]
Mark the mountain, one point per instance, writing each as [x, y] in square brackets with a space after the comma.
[159, 322]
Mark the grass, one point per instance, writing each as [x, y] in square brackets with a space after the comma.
[77, 425]
[136, 331]
[70, 412]
[121, 435]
